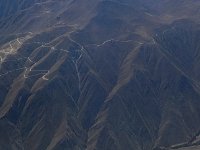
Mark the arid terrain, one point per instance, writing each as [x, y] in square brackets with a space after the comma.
[99, 74]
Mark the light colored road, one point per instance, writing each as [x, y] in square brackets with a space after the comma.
[18, 41]
[107, 41]
[148, 14]
[45, 72]
[44, 76]
[27, 70]
[11, 46]
[111, 40]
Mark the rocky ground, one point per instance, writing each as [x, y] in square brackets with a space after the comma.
[99, 75]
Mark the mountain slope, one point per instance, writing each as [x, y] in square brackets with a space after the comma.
[99, 75]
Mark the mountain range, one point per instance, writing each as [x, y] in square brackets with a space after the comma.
[99, 75]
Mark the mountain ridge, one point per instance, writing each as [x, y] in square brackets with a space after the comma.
[93, 75]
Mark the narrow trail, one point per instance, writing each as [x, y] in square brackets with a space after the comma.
[27, 70]
[46, 72]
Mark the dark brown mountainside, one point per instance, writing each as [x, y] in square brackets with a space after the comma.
[99, 75]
